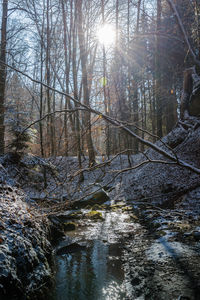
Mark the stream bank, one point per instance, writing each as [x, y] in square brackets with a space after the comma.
[25, 251]
[157, 259]
[90, 265]
[131, 253]
[162, 260]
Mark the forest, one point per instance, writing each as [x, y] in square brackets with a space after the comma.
[99, 149]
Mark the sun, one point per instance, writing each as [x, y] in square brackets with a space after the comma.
[106, 35]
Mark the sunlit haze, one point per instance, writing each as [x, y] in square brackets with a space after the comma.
[106, 35]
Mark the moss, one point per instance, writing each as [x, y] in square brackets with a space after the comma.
[37, 168]
[88, 207]
[102, 207]
[116, 206]
[95, 215]
[96, 207]
[161, 233]
[75, 215]
[97, 198]
[181, 227]
[127, 208]
[69, 226]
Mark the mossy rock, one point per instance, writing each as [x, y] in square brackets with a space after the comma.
[96, 198]
[88, 207]
[35, 176]
[96, 207]
[182, 227]
[95, 215]
[100, 197]
[69, 226]
[161, 233]
[75, 215]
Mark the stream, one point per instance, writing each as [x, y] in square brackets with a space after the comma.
[94, 270]
[117, 256]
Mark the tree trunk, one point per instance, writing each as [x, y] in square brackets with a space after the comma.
[67, 73]
[3, 73]
[105, 96]
[76, 96]
[158, 73]
[50, 117]
[83, 58]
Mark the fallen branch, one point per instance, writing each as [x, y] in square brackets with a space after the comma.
[113, 121]
[143, 163]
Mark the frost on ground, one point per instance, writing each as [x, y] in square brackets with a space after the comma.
[161, 260]
[25, 252]
[165, 193]
[161, 184]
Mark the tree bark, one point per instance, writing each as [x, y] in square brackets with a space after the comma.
[3, 73]
[158, 73]
[50, 122]
[83, 58]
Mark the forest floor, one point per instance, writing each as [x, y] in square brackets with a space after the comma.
[122, 251]
[160, 247]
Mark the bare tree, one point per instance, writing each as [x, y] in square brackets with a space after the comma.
[83, 58]
[3, 71]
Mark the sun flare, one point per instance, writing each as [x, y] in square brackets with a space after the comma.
[106, 35]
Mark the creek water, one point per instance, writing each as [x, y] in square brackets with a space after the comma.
[95, 271]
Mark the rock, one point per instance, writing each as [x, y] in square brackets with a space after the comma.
[96, 207]
[69, 226]
[95, 215]
[194, 105]
[56, 233]
[135, 281]
[68, 215]
[75, 215]
[182, 227]
[160, 233]
[98, 197]
[70, 249]
[35, 176]
[196, 235]
[25, 251]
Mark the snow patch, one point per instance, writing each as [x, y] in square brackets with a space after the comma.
[162, 250]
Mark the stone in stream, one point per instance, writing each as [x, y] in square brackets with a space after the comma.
[70, 249]
[98, 197]
[69, 226]
[95, 215]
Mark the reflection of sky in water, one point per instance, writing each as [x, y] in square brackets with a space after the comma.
[96, 273]
[92, 274]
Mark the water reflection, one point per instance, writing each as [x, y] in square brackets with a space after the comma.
[95, 273]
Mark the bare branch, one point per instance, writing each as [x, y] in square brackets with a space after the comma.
[114, 122]
[50, 114]
[144, 163]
